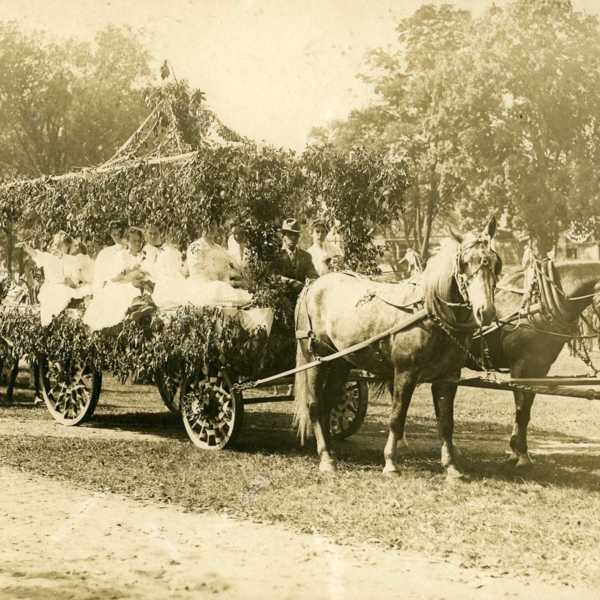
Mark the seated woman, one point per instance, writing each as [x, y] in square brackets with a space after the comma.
[109, 255]
[210, 272]
[79, 267]
[166, 271]
[124, 278]
[58, 288]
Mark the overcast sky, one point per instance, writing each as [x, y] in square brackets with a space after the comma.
[272, 69]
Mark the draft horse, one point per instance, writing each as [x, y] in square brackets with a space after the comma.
[339, 310]
[527, 343]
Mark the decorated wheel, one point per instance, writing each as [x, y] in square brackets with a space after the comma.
[168, 382]
[70, 391]
[348, 414]
[212, 411]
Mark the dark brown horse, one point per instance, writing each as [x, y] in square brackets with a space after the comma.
[529, 346]
[339, 310]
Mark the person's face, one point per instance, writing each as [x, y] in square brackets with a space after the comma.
[290, 239]
[319, 234]
[153, 236]
[64, 247]
[238, 235]
[136, 241]
[116, 233]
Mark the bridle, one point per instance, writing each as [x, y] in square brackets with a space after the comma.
[463, 279]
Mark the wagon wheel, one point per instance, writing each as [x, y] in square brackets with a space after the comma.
[70, 391]
[212, 411]
[348, 414]
[168, 382]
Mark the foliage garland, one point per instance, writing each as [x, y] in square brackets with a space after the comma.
[188, 339]
[255, 186]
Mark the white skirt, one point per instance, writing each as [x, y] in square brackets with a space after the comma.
[201, 292]
[55, 297]
[170, 292]
[109, 305]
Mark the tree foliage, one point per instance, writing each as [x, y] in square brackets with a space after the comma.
[356, 191]
[67, 104]
[494, 113]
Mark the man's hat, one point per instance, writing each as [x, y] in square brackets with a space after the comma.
[291, 225]
[319, 224]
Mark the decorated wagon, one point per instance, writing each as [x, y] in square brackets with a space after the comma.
[197, 357]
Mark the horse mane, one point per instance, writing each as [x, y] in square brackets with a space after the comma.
[438, 277]
[439, 287]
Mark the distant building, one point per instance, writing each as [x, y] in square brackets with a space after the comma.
[569, 249]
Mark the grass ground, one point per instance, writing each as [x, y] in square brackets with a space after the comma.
[544, 523]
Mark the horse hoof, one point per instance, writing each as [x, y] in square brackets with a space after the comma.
[524, 461]
[327, 466]
[454, 474]
[512, 459]
[391, 471]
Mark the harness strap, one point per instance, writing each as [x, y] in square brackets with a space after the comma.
[419, 316]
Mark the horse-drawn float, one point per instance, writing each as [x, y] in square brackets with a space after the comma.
[199, 360]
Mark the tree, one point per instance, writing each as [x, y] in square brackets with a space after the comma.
[529, 74]
[410, 115]
[68, 104]
[499, 113]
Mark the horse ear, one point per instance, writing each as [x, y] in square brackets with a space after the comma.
[454, 235]
[491, 227]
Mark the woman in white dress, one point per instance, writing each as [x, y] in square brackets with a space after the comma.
[79, 267]
[110, 255]
[322, 252]
[124, 279]
[210, 272]
[58, 288]
[166, 271]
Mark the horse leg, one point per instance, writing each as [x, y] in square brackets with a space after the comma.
[403, 388]
[523, 404]
[402, 441]
[318, 410]
[335, 388]
[310, 406]
[443, 394]
[518, 439]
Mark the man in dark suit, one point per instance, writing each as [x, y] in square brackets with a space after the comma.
[295, 265]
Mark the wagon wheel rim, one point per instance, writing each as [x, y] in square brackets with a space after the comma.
[347, 415]
[211, 412]
[169, 383]
[69, 391]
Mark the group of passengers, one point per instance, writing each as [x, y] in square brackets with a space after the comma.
[148, 262]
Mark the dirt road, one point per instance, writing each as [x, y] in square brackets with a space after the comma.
[62, 542]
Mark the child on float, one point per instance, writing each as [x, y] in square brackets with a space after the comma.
[124, 278]
[59, 287]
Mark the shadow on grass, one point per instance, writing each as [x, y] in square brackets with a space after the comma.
[163, 424]
[482, 451]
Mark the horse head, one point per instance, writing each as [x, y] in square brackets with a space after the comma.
[476, 271]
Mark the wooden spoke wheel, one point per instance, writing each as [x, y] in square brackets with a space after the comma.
[212, 411]
[70, 391]
[348, 414]
[168, 382]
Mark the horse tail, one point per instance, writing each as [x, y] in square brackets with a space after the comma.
[301, 411]
[301, 392]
